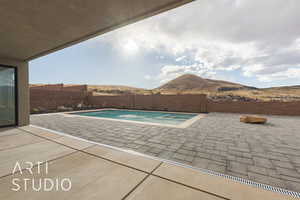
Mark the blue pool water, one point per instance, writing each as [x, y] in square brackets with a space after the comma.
[141, 116]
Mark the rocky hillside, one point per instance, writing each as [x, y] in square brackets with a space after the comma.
[227, 91]
[190, 82]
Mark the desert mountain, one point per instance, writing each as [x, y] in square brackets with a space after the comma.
[224, 90]
[190, 82]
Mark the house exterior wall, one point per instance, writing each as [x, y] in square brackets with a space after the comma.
[23, 89]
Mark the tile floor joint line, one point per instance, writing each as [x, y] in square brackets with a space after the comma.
[156, 167]
[101, 144]
[118, 163]
[11, 134]
[3, 130]
[151, 173]
[205, 171]
[135, 187]
[82, 151]
[60, 157]
[191, 187]
[148, 174]
[9, 148]
[51, 140]
[237, 179]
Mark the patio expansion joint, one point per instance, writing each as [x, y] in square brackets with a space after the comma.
[51, 140]
[115, 162]
[143, 180]
[147, 176]
[98, 144]
[240, 180]
[47, 139]
[20, 146]
[91, 154]
[188, 186]
[170, 180]
[124, 165]
[3, 129]
[42, 163]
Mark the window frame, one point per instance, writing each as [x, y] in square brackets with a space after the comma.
[16, 96]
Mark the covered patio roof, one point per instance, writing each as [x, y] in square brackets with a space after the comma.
[32, 28]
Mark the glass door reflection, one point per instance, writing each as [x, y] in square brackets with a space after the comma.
[7, 96]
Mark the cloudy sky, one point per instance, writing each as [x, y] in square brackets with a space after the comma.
[253, 42]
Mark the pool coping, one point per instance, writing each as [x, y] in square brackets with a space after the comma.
[184, 124]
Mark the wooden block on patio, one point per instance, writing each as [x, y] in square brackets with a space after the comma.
[253, 119]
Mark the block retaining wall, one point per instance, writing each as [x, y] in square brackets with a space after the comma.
[266, 108]
[52, 99]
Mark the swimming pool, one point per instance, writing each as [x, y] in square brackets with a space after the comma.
[157, 117]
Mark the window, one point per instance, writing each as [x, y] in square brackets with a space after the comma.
[8, 108]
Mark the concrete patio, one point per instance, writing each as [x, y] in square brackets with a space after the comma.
[99, 172]
[266, 154]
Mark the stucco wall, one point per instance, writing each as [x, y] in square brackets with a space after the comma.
[23, 89]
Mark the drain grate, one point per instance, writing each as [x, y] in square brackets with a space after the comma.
[240, 180]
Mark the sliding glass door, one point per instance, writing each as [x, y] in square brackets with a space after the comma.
[8, 96]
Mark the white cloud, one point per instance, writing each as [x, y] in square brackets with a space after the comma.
[148, 77]
[290, 74]
[180, 58]
[253, 69]
[214, 35]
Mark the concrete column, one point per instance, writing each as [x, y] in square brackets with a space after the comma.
[23, 89]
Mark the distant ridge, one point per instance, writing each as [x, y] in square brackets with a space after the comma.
[191, 82]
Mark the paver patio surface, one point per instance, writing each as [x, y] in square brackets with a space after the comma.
[99, 172]
[268, 154]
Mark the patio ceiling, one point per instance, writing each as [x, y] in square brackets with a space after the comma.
[33, 28]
